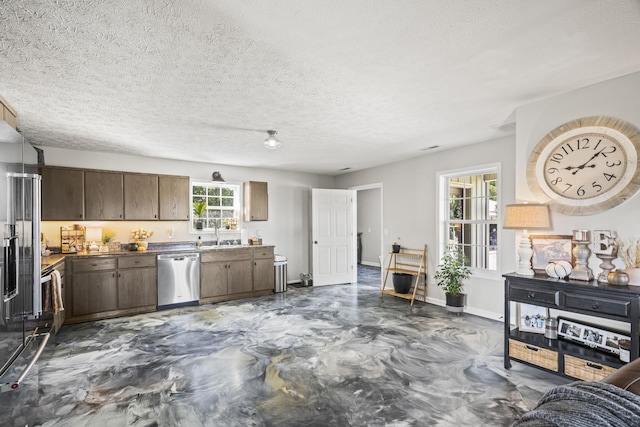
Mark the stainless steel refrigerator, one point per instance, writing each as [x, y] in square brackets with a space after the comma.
[22, 337]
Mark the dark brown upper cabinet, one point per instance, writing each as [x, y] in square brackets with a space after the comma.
[174, 197]
[256, 201]
[103, 195]
[62, 194]
[140, 196]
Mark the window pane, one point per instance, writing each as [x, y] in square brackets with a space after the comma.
[472, 219]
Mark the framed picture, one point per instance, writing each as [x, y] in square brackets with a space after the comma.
[591, 335]
[531, 318]
[550, 248]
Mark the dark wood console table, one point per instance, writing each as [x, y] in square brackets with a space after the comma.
[621, 303]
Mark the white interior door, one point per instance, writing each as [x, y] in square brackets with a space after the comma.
[333, 236]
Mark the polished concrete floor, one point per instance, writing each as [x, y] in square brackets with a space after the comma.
[327, 356]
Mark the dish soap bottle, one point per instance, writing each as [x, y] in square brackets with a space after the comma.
[199, 242]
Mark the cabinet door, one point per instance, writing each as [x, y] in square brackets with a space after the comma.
[62, 194]
[263, 275]
[213, 279]
[140, 196]
[256, 201]
[240, 276]
[94, 292]
[174, 197]
[103, 195]
[137, 287]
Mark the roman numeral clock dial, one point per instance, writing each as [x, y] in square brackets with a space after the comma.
[586, 166]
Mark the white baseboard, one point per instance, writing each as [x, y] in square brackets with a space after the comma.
[370, 264]
[471, 310]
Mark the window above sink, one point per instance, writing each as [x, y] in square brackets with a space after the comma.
[221, 206]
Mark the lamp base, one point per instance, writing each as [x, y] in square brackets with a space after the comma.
[524, 253]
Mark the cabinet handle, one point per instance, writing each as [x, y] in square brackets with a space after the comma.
[593, 365]
[531, 348]
[531, 295]
[113, 274]
[595, 306]
[94, 265]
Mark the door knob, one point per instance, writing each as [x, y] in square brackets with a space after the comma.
[315, 242]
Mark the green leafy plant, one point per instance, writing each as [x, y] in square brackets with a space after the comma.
[199, 208]
[107, 235]
[452, 271]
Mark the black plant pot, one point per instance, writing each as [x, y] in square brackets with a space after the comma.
[395, 248]
[199, 224]
[402, 282]
[455, 303]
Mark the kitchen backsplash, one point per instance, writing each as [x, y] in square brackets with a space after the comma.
[165, 231]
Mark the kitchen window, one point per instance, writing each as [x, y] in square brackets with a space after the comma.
[469, 215]
[221, 206]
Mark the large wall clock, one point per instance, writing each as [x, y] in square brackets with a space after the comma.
[587, 165]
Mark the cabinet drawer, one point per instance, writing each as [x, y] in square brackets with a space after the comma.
[94, 264]
[534, 295]
[226, 255]
[131, 261]
[263, 253]
[598, 305]
[585, 370]
[535, 355]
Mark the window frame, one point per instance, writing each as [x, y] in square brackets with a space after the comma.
[237, 206]
[443, 220]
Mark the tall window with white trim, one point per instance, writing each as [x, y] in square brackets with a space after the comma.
[469, 215]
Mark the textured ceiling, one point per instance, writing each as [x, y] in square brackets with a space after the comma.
[347, 84]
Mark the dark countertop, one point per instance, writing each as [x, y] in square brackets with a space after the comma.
[55, 258]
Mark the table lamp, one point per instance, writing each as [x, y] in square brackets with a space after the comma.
[526, 217]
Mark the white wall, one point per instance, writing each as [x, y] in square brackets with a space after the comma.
[289, 195]
[410, 212]
[617, 98]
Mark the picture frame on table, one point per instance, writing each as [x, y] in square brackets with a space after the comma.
[531, 318]
[591, 335]
[550, 248]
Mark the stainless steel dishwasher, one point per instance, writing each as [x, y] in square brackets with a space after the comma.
[178, 279]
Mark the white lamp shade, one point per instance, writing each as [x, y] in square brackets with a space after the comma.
[526, 217]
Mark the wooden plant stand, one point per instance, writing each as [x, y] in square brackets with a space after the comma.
[409, 261]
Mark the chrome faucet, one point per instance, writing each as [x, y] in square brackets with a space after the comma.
[216, 224]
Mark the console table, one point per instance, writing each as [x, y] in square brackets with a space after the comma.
[621, 303]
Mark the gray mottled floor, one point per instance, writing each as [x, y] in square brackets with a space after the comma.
[331, 356]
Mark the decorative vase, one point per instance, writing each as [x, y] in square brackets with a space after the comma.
[634, 276]
[142, 243]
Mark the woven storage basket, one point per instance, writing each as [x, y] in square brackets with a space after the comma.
[535, 355]
[585, 370]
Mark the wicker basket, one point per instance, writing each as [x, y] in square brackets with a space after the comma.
[535, 355]
[585, 370]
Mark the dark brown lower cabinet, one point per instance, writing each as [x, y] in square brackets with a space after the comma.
[102, 286]
[94, 292]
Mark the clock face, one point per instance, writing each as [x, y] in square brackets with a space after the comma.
[586, 166]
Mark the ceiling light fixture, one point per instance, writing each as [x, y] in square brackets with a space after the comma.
[216, 177]
[272, 142]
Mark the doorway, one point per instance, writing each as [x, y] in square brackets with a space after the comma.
[369, 226]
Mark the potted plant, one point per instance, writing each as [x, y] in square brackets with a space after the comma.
[107, 236]
[199, 209]
[395, 247]
[449, 276]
